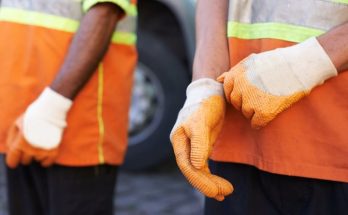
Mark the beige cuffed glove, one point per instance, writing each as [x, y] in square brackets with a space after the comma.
[264, 85]
[37, 134]
[195, 131]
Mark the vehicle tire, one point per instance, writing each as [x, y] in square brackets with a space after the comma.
[159, 69]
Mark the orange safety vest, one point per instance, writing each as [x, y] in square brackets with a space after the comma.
[309, 139]
[34, 39]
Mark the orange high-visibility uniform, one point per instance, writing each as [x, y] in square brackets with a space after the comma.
[309, 139]
[34, 39]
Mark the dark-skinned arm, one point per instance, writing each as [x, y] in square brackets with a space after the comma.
[87, 49]
[39, 131]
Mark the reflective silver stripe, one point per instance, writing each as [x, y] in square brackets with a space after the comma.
[128, 24]
[65, 8]
[317, 14]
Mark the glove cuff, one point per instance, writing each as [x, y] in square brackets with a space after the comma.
[196, 92]
[52, 106]
[201, 89]
[310, 63]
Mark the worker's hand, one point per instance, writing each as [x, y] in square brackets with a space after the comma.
[37, 134]
[195, 131]
[263, 85]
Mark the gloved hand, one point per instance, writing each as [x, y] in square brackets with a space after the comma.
[195, 131]
[38, 132]
[264, 85]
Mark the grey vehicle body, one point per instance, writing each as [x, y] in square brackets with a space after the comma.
[184, 11]
[166, 43]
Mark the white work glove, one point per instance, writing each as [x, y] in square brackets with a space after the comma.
[264, 85]
[38, 132]
[45, 119]
[195, 131]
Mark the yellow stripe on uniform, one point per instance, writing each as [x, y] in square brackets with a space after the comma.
[133, 11]
[341, 1]
[100, 118]
[124, 38]
[280, 31]
[38, 19]
[56, 22]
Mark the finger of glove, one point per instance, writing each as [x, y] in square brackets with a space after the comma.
[26, 159]
[13, 158]
[260, 120]
[41, 155]
[247, 110]
[224, 187]
[15, 142]
[179, 141]
[196, 178]
[221, 78]
[215, 132]
[220, 198]
[14, 136]
[200, 145]
[199, 180]
[50, 158]
[228, 86]
[236, 99]
[47, 162]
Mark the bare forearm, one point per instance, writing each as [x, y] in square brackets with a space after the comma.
[212, 57]
[335, 43]
[88, 47]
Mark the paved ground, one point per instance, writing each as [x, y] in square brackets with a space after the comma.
[163, 191]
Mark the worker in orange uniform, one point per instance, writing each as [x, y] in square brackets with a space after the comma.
[268, 104]
[66, 75]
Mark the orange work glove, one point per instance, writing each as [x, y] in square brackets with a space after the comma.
[37, 134]
[264, 85]
[195, 131]
[19, 151]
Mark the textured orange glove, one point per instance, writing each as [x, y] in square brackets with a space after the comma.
[37, 134]
[264, 85]
[196, 130]
[20, 152]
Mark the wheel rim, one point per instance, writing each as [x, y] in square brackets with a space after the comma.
[147, 105]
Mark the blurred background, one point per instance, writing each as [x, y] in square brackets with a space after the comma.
[149, 182]
[166, 48]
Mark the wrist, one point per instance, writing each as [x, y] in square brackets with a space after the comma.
[335, 44]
